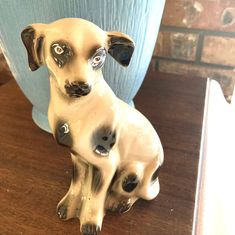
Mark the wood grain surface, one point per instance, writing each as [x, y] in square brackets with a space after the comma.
[35, 172]
[5, 73]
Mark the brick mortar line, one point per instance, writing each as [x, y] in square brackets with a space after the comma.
[199, 48]
[156, 64]
[199, 63]
[197, 31]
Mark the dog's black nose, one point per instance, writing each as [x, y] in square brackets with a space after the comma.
[77, 89]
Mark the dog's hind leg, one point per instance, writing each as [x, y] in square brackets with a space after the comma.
[70, 206]
[122, 191]
[150, 186]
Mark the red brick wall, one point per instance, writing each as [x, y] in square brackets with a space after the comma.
[197, 38]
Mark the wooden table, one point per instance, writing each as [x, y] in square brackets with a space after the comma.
[35, 171]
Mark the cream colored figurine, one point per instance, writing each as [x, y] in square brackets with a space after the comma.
[115, 150]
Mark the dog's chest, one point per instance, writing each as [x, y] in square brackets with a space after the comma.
[71, 124]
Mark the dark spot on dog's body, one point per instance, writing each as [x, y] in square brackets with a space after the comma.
[97, 180]
[156, 174]
[63, 135]
[90, 229]
[130, 183]
[61, 53]
[103, 140]
[77, 89]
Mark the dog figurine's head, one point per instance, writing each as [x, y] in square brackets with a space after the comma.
[74, 50]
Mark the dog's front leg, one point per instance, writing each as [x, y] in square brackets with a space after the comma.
[70, 206]
[93, 208]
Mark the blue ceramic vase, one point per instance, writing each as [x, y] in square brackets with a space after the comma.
[140, 19]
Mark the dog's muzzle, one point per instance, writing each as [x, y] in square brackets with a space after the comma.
[77, 89]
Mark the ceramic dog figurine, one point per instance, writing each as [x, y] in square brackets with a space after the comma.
[115, 151]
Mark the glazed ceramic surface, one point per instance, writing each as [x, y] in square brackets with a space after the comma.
[138, 18]
[116, 153]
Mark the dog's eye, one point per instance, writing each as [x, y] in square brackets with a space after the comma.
[97, 60]
[58, 49]
[61, 53]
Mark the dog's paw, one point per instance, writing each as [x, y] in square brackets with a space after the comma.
[124, 207]
[120, 206]
[62, 211]
[90, 229]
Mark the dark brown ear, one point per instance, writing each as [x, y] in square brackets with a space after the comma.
[120, 47]
[33, 45]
